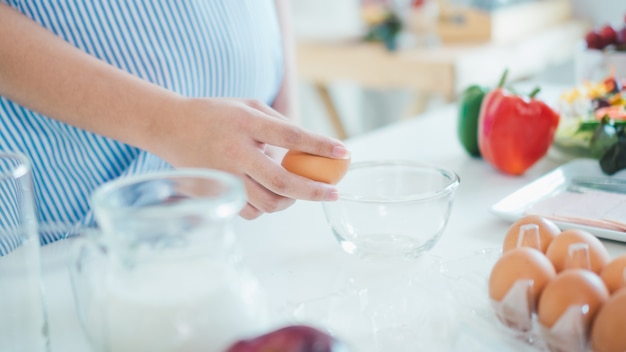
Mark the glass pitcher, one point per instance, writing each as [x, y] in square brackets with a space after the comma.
[162, 272]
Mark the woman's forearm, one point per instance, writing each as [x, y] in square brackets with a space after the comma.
[42, 72]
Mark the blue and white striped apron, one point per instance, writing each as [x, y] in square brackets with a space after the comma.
[197, 48]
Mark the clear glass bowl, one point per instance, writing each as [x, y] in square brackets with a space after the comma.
[391, 208]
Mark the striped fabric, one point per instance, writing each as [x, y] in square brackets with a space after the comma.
[197, 48]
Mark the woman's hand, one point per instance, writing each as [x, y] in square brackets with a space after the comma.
[233, 135]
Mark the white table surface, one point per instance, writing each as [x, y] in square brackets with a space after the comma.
[294, 253]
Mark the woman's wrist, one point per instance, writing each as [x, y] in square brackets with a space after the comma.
[164, 125]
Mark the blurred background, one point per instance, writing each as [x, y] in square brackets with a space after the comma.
[364, 64]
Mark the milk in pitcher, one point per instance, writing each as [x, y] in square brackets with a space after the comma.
[163, 307]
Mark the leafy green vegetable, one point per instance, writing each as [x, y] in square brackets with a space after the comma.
[586, 126]
[614, 159]
[604, 136]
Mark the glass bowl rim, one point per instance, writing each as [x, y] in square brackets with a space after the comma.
[453, 177]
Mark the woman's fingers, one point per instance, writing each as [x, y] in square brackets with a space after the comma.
[263, 199]
[276, 179]
[273, 130]
[249, 212]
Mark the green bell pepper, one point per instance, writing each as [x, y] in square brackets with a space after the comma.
[469, 110]
[604, 136]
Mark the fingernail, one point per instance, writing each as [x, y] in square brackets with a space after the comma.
[332, 195]
[340, 151]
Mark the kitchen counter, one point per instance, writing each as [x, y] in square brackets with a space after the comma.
[296, 258]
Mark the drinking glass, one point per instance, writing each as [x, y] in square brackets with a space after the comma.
[23, 321]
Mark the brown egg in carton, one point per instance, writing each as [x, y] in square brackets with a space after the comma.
[549, 294]
[516, 280]
[567, 308]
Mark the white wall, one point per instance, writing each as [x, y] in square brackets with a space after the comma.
[600, 11]
[327, 19]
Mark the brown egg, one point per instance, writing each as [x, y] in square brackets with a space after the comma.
[608, 333]
[315, 167]
[520, 264]
[547, 231]
[614, 273]
[559, 251]
[571, 287]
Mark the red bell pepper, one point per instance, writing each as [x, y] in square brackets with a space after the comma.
[515, 132]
